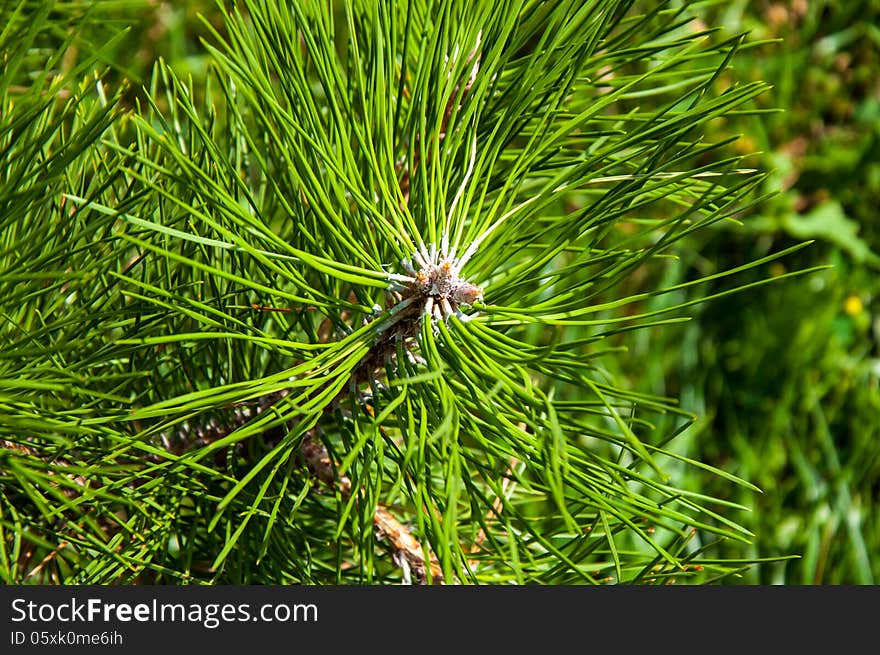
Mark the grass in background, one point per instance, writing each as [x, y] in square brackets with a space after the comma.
[786, 376]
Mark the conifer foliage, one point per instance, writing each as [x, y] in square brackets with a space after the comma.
[345, 308]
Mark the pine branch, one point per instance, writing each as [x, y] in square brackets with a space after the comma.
[402, 248]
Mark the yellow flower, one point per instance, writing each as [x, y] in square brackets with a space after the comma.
[853, 306]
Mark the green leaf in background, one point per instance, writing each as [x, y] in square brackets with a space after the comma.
[829, 222]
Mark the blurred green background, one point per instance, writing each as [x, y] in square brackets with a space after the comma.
[784, 376]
